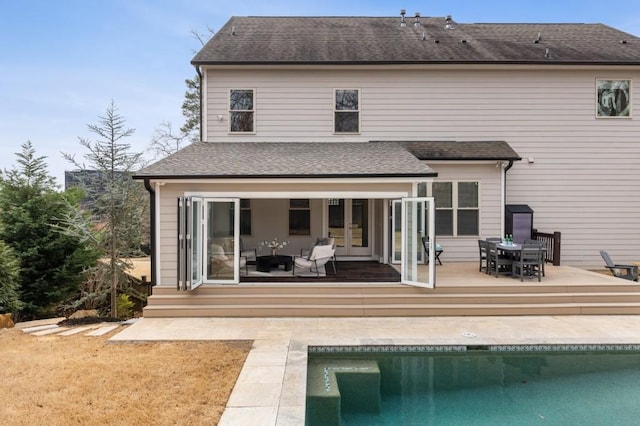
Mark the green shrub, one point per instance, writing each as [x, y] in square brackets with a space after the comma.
[124, 306]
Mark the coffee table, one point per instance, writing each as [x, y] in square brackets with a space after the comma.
[267, 263]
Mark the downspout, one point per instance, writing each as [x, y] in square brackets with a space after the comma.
[152, 230]
[504, 195]
[200, 95]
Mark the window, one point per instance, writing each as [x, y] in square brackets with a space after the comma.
[245, 217]
[299, 217]
[457, 210]
[241, 111]
[347, 111]
[613, 98]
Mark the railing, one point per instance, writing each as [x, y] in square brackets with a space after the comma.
[552, 245]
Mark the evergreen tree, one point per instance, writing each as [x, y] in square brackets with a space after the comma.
[9, 285]
[51, 262]
[165, 141]
[118, 203]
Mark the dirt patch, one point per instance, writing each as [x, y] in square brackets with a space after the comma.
[62, 380]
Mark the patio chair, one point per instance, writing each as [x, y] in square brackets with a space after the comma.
[543, 247]
[627, 272]
[438, 250]
[220, 261]
[483, 245]
[249, 254]
[529, 263]
[497, 263]
[319, 256]
[323, 241]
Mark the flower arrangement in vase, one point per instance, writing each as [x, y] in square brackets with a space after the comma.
[274, 245]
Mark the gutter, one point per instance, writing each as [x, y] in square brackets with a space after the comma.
[504, 195]
[152, 230]
[199, 72]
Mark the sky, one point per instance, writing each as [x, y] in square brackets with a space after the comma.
[62, 62]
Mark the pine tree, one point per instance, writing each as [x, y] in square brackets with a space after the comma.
[51, 262]
[118, 203]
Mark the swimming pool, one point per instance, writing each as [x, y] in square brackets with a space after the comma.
[474, 385]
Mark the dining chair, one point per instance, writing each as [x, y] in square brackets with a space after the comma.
[482, 249]
[529, 263]
[498, 263]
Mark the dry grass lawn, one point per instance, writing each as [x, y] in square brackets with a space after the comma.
[63, 380]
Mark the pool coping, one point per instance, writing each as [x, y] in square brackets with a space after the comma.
[271, 387]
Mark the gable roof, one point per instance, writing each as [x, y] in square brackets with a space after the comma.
[381, 40]
[202, 160]
[462, 151]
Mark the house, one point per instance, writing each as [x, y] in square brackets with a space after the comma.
[320, 125]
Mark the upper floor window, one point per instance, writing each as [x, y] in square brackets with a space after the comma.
[347, 111]
[241, 111]
[613, 98]
[457, 208]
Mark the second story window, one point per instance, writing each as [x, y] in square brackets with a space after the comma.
[347, 111]
[241, 111]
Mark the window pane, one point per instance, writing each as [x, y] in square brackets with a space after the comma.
[346, 122]
[422, 189]
[241, 100]
[443, 193]
[444, 222]
[299, 222]
[468, 222]
[245, 222]
[468, 194]
[299, 203]
[241, 121]
[347, 99]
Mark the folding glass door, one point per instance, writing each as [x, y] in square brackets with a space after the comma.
[208, 229]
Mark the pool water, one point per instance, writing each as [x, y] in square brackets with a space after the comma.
[478, 387]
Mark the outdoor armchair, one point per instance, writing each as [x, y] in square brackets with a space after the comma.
[627, 272]
[319, 256]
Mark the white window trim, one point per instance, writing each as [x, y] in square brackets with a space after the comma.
[230, 111]
[595, 100]
[454, 204]
[359, 110]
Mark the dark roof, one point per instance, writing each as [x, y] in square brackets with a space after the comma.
[371, 40]
[203, 160]
[466, 151]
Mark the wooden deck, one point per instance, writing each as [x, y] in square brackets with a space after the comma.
[460, 290]
[346, 272]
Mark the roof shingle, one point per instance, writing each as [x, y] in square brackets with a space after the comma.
[288, 159]
[370, 40]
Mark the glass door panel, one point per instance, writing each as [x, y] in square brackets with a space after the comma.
[195, 237]
[349, 224]
[222, 227]
[337, 221]
[414, 271]
[396, 231]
